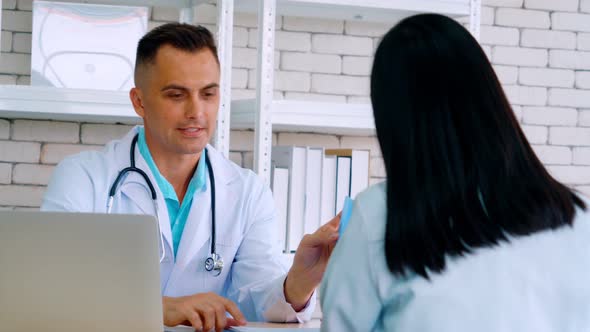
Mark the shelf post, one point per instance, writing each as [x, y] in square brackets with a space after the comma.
[225, 23]
[264, 89]
[475, 18]
[186, 13]
[1, 4]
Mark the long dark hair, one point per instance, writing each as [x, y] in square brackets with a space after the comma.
[460, 172]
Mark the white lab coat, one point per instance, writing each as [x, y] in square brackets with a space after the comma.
[245, 227]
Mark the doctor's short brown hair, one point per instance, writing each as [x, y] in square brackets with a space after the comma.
[182, 36]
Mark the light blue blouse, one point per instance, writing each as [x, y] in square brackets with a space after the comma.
[537, 283]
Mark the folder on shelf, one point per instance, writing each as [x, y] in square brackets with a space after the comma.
[294, 159]
[313, 190]
[280, 192]
[352, 173]
[328, 188]
[343, 170]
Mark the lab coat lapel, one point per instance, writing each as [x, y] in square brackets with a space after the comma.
[197, 232]
[137, 190]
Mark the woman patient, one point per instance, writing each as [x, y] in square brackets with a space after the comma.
[469, 232]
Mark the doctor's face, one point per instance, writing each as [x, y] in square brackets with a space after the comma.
[178, 98]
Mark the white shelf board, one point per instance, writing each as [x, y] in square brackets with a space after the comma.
[387, 11]
[303, 116]
[48, 103]
[148, 3]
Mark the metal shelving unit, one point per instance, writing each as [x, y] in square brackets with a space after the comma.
[263, 114]
[315, 116]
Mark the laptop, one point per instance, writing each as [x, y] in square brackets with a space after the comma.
[79, 272]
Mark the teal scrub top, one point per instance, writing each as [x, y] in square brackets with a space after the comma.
[177, 212]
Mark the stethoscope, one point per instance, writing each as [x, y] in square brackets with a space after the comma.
[213, 263]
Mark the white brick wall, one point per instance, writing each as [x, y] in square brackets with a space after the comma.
[550, 116]
[547, 77]
[518, 56]
[5, 173]
[540, 50]
[20, 21]
[15, 63]
[31, 174]
[313, 25]
[584, 41]
[549, 39]
[9, 4]
[491, 35]
[569, 59]
[584, 118]
[570, 136]
[6, 41]
[377, 168]
[370, 29]
[554, 155]
[583, 80]
[25, 5]
[355, 65]
[338, 84]
[508, 75]
[101, 134]
[4, 129]
[571, 174]
[47, 131]
[26, 196]
[13, 151]
[285, 41]
[535, 134]
[310, 62]
[581, 156]
[21, 42]
[565, 5]
[522, 18]
[523, 95]
[569, 98]
[344, 45]
[569, 21]
[54, 153]
[504, 3]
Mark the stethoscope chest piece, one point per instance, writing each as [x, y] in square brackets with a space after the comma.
[214, 264]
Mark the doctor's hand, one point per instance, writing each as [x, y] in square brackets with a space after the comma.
[310, 264]
[204, 312]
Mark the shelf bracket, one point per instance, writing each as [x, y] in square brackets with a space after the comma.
[475, 18]
[264, 89]
[1, 4]
[225, 23]
[186, 13]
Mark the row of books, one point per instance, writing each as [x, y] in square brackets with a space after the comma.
[309, 187]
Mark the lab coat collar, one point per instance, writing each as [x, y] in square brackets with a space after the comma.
[197, 228]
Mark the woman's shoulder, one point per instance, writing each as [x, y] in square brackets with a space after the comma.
[371, 206]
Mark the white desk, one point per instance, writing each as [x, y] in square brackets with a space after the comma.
[314, 323]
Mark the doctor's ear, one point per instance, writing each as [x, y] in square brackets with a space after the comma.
[136, 100]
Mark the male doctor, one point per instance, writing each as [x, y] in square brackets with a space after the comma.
[177, 95]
